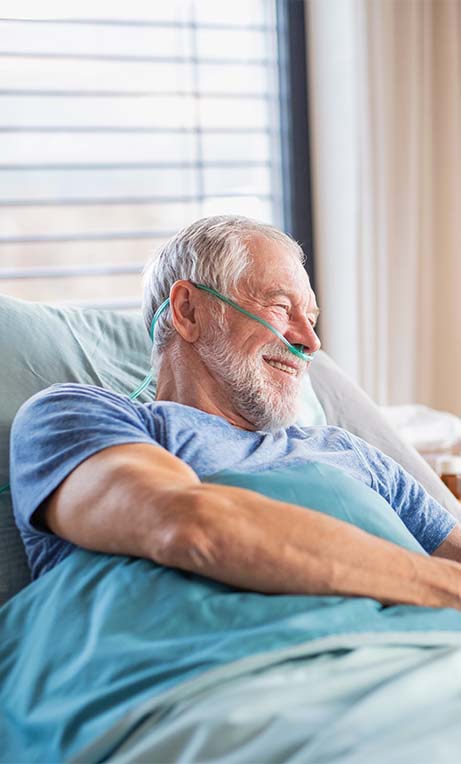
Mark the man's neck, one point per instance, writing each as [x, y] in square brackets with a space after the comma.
[186, 380]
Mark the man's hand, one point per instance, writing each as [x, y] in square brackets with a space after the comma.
[141, 500]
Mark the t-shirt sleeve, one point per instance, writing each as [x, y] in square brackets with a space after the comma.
[425, 518]
[56, 430]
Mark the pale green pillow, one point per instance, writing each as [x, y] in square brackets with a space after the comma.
[41, 345]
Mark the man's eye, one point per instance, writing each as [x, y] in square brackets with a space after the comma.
[285, 307]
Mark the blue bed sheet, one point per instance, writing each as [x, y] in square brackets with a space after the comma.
[99, 635]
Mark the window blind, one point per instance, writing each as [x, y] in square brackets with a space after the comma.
[119, 123]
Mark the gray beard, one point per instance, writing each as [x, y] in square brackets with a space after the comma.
[263, 401]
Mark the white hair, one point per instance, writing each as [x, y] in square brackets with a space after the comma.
[212, 251]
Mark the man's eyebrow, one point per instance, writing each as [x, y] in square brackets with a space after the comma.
[276, 292]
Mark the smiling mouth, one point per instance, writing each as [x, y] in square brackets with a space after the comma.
[291, 370]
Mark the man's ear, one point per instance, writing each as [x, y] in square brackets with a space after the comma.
[183, 307]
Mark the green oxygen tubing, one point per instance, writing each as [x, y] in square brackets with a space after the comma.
[296, 350]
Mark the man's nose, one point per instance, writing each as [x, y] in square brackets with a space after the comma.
[303, 333]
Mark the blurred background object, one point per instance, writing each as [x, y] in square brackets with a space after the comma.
[385, 101]
[435, 434]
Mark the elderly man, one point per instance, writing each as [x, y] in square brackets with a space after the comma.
[94, 469]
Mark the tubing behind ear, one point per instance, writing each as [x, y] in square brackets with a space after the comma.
[157, 315]
[148, 378]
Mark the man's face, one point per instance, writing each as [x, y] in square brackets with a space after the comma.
[259, 375]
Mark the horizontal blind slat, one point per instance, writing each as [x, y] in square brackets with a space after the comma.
[85, 76]
[162, 110]
[138, 200]
[136, 129]
[163, 148]
[81, 236]
[72, 184]
[109, 166]
[144, 23]
[116, 94]
[135, 58]
[245, 12]
[69, 271]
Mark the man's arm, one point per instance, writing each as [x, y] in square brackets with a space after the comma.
[429, 522]
[142, 501]
[451, 547]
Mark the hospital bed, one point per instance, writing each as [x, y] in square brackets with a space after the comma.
[118, 659]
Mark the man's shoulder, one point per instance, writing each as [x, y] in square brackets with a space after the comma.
[70, 399]
[77, 396]
[69, 390]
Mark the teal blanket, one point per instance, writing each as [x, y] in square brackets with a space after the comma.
[99, 636]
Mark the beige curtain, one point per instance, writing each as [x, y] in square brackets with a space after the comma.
[385, 106]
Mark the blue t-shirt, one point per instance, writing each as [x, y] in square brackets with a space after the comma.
[57, 429]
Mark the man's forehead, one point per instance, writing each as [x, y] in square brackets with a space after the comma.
[275, 271]
[268, 255]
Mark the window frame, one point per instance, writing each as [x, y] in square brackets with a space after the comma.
[295, 127]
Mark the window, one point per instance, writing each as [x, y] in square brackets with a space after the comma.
[119, 123]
